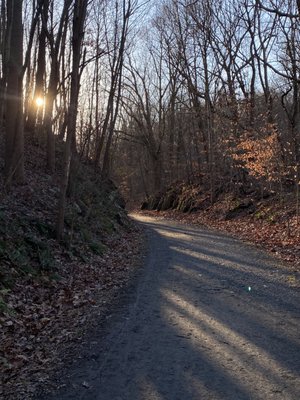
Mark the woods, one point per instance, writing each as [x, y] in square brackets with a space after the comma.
[217, 100]
[187, 107]
[205, 91]
[66, 45]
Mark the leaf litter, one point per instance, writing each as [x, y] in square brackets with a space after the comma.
[52, 293]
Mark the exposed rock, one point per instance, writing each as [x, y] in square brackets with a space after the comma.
[245, 207]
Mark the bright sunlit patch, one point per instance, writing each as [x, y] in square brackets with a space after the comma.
[224, 346]
[174, 235]
[149, 389]
[39, 101]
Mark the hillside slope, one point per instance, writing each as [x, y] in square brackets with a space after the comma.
[51, 292]
[268, 221]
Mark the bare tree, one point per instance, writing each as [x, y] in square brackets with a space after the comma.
[116, 61]
[14, 146]
[79, 15]
[52, 88]
[37, 103]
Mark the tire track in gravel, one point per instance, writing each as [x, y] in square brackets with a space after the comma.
[209, 318]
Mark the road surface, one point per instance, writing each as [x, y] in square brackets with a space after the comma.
[209, 318]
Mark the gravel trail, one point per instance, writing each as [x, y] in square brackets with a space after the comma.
[209, 318]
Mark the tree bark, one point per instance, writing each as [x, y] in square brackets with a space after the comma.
[14, 143]
[52, 87]
[80, 8]
[35, 112]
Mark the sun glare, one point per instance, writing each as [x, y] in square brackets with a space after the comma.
[39, 101]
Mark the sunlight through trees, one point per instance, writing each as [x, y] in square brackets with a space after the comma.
[154, 92]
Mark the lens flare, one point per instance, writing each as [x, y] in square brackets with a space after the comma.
[39, 101]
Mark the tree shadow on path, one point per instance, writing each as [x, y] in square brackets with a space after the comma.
[211, 318]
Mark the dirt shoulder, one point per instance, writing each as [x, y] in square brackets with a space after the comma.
[53, 317]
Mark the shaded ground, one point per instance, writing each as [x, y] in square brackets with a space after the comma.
[272, 228]
[55, 319]
[51, 291]
[270, 219]
[210, 318]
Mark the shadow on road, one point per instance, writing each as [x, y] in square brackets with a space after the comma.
[211, 318]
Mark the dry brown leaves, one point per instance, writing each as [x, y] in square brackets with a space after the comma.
[43, 313]
[282, 239]
[45, 316]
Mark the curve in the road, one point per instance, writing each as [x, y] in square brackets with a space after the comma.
[210, 318]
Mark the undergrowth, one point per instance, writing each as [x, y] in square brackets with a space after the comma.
[28, 247]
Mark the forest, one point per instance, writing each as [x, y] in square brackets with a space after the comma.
[190, 106]
[154, 93]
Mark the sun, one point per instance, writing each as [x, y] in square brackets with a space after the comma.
[39, 101]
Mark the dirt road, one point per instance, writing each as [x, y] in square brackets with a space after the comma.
[210, 318]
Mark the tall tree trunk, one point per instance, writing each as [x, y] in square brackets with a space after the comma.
[3, 46]
[36, 111]
[80, 8]
[14, 143]
[114, 115]
[52, 86]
